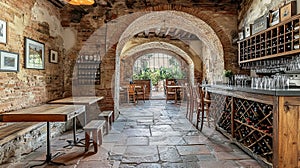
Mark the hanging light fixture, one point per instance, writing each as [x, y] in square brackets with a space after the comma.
[81, 2]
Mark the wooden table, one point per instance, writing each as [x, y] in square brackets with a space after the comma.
[44, 113]
[86, 101]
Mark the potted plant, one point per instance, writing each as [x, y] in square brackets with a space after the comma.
[228, 75]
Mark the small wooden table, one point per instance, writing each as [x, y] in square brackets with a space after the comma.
[86, 101]
[44, 113]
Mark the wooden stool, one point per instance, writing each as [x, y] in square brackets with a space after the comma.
[94, 129]
[108, 117]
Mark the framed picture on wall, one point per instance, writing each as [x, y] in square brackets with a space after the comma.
[288, 10]
[3, 31]
[248, 30]
[53, 57]
[34, 54]
[9, 61]
[274, 18]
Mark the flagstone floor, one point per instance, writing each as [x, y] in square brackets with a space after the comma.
[149, 135]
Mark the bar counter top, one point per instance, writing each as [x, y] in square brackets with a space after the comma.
[272, 92]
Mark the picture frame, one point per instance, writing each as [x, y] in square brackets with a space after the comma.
[34, 54]
[248, 30]
[53, 56]
[260, 24]
[9, 61]
[3, 32]
[288, 10]
[241, 35]
[274, 17]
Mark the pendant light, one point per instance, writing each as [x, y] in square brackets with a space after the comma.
[81, 2]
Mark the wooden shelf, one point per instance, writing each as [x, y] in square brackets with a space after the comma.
[88, 72]
[276, 41]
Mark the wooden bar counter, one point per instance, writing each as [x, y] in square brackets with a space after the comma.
[264, 123]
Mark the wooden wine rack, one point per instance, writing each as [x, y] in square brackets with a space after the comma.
[253, 127]
[265, 125]
[279, 40]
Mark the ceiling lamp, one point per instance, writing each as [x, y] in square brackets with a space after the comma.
[81, 2]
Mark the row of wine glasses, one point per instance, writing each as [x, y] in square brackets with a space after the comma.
[278, 81]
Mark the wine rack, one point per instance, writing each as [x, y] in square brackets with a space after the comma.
[225, 118]
[279, 40]
[88, 70]
[265, 125]
[253, 127]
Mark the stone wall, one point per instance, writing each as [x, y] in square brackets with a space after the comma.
[40, 21]
[29, 87]
[251, 11]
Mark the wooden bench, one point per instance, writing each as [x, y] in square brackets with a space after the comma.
[93, 129]
[108, 117]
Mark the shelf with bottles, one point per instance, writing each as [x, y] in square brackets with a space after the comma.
[253, 126]
[88, 69]
[279, 40]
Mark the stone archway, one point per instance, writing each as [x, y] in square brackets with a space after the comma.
[164, 47]
[120, 33]
[189, 23]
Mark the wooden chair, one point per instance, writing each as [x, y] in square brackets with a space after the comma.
[171, 93]
[141, 92]
[189, 113]
[202, 107]
[131, 93]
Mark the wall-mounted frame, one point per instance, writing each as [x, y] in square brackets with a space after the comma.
[53, 56]
[260, 24]
[288, 10]
[274, 17]
[34, 54]
[241, 35]
[3, 31]
[9, 61]
[248, 30]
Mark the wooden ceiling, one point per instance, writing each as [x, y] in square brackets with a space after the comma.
[150, 3]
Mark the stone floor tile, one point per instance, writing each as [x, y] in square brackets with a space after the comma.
[148, 165]
[166, 140]
[206, 157]
[248, 163]
[118, 149]
[144, 141]
[193, 150]
[93, 164]
[137, 132]
[140, 154]
[189, 158]
[218, 164]
[221, 147]
[114, 138]
[181, 165]
[231, 156]
[169, 154]
[190, 140]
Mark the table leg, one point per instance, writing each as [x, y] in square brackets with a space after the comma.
[48, 154]
[74, 142]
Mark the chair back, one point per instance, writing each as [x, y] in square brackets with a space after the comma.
[131, 88]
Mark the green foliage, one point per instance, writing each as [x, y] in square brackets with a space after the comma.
[159, 74]
[228, 73]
